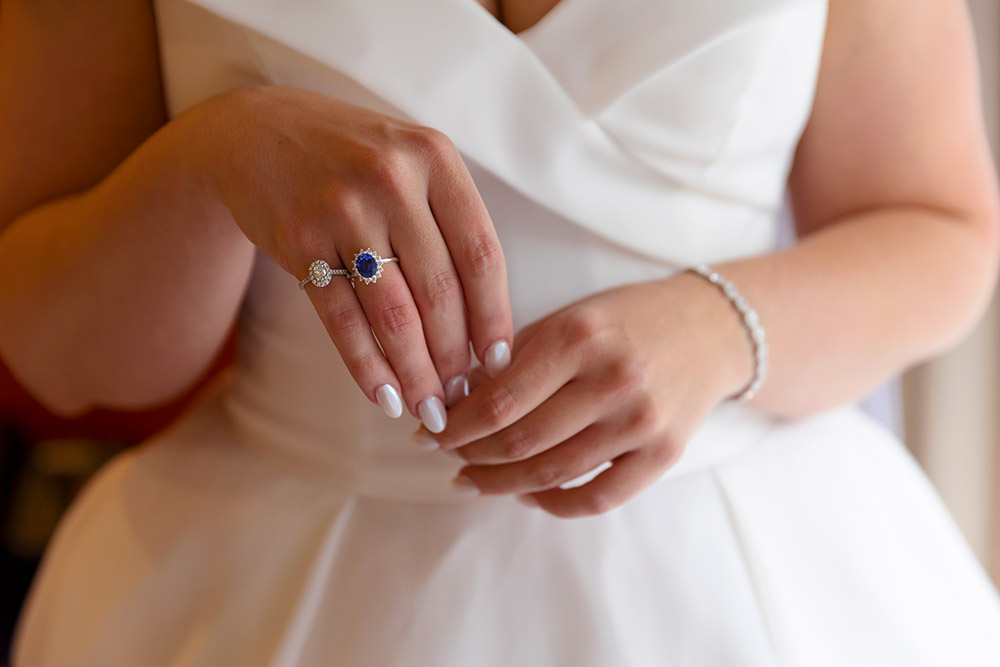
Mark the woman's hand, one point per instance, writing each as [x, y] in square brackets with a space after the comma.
[307, 177]
[625, 375]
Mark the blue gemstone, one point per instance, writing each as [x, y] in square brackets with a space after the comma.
[366, 265]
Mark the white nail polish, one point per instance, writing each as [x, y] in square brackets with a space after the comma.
[497, 358]
[456, 389]
[465, 486]
[432, 414]
[388, 398]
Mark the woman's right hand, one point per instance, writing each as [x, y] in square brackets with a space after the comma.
[307, 176]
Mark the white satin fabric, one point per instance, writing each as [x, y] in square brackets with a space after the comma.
[284, 520]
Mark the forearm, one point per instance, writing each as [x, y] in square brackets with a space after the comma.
[123, 294]
[855, 303]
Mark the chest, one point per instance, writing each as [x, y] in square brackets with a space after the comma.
[518, 15]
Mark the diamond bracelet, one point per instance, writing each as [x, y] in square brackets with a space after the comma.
[751, 322]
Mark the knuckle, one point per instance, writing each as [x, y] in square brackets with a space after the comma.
[390, 170]
[644, 420]
[410, 377]
[579, 330]
[345, 324]
[364, 366]
[544, 477]
[296, 244]
[499, 406]
[443, 288]
[396, 319]
[456, 359]
[597, 502]
[344, 204]
[490, 319]
[433, 143]
[626, 373]
[666, 453]
[515, 443]
[484, 254]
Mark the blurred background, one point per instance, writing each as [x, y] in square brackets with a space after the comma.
[946, 411]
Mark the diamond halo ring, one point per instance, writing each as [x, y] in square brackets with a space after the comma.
[320, 274]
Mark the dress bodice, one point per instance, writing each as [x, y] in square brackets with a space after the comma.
[611, 142]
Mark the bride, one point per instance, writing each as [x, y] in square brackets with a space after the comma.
[543, 236]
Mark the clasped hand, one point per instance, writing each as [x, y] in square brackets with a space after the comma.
[625, 375]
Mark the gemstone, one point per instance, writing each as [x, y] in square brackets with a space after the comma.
[320, 273]
[366, 265]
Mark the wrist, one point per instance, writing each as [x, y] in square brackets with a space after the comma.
[192, 143]
[725, 342]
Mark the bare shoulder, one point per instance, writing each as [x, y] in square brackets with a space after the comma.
[897, 118]
[79, 90]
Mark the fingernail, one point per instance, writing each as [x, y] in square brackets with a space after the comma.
[497, 358]
[388, 398]
[456, 389]
[527, 500]
[465, 486]
[423, 440]
[431, 411]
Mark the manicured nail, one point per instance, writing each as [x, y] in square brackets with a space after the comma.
[465, 486]
[388, 398]
[497, 358]
[456, 389]
[527, 500]
[423, 440]
[431, 411]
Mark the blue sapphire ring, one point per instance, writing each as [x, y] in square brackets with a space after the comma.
[367, 265]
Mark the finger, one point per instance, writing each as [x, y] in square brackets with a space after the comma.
[536, 374]
[347, 325]
[393, 316]
[437, 292]
[629, 474]
[567, 412]
[475, 249]
[581, 453]
[477, 376]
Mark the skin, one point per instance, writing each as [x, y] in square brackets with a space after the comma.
[188, 203]
[893, 189]
[518, 15]
[894, 195]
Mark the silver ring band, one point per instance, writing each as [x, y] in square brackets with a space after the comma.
[366, 266]
[320, 274]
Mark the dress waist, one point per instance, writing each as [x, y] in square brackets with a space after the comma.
[384, 463]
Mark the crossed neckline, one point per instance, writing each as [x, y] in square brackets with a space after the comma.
[534, 41]
[527, 32]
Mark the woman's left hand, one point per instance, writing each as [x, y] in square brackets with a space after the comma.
[625, 375]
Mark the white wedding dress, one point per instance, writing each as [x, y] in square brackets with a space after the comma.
[284, 520]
